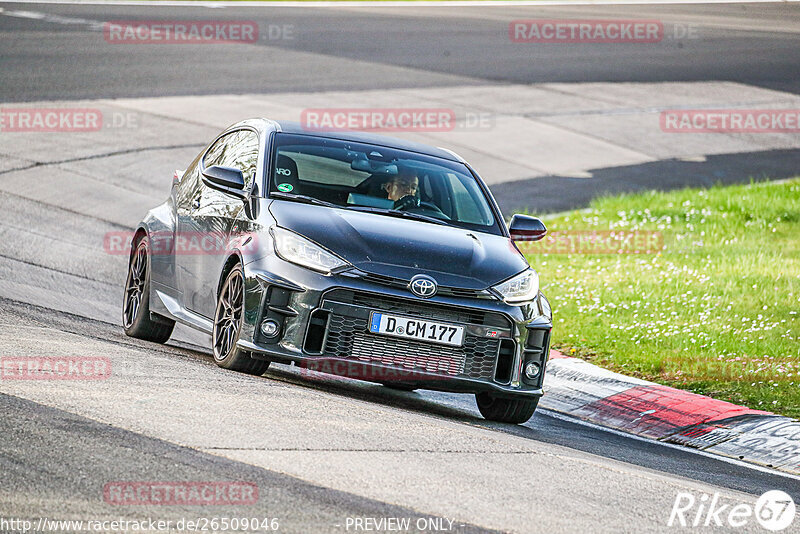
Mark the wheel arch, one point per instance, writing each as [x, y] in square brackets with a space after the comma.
[137, 235]
[230, 262]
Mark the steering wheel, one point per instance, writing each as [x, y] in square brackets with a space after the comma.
[430, 206]
[415, 205]
[406, 203]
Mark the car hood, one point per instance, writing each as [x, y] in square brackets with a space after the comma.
[401, 248]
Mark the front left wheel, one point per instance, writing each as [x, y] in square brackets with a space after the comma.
[504, 410]
[136, 318]
[228, 320]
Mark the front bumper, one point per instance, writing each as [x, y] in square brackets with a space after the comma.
[323, 329]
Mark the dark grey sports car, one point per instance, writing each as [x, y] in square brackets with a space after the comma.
[345, 253]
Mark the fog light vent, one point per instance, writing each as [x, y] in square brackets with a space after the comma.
[315, 335]
[505, 361]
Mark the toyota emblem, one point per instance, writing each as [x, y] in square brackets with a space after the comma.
[423, 286]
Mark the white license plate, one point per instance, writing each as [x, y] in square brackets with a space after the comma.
[414, 328]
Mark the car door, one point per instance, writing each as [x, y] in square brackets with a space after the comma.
[185, 190]
[203, 234]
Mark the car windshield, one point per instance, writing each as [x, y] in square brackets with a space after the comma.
[378, 179]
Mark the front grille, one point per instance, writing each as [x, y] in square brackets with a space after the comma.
[348, 337]
[481, 355]
[424, 310]
[442, 290]
[408, 354]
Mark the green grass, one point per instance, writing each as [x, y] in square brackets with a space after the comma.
[715, 312]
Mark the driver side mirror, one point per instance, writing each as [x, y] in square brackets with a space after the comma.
[526, 228]
[225, 179]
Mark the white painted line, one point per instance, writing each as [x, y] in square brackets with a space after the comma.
[55, 19]
[393, 3]
[726, 459]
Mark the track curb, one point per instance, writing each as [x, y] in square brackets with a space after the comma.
[580, 389]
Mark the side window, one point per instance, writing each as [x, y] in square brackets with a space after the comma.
[219, 151]
[239, 150]
[469, 210]
[190, 185]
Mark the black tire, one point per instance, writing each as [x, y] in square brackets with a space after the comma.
[398, 387]
[503, 410]
[228, 319]
[136, 318]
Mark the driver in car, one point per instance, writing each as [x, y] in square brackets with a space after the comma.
[402, 189]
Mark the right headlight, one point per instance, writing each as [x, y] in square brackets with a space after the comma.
[297, 249]
[521, 288]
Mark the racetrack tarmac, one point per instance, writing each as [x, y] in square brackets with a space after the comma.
[325, 450]
[57, 52]
[319, 450]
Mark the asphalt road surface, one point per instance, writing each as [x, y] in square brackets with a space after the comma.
[322, 451]
[54, 52]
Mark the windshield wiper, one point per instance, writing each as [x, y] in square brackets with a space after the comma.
[303, 198]
[398, 213]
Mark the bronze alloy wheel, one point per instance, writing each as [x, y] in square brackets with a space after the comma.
[135, 285]
[228, 318]
[137, 319]
[228, 325]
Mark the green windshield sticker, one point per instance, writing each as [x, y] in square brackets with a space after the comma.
[286, 188]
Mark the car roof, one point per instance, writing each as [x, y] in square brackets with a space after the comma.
[292, 127]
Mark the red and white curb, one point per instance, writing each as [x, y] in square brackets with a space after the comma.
[580, 389]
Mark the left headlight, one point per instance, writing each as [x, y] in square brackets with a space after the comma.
[521, 288]
[297, 249]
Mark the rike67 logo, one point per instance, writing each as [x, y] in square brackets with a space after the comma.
[775, 511]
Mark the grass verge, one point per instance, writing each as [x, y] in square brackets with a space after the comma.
[714, 312]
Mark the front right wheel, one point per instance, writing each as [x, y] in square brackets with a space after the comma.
[505, 410]
[228, 325]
